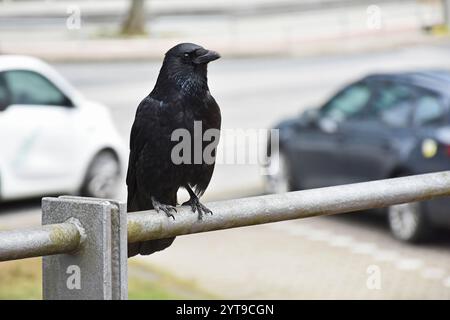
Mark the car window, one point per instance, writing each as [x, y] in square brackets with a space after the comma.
[30, 88]
[429, 109]
[348, 103]
[4, 96]
[393, 104]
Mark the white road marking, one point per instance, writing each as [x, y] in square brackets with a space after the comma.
[409, 264]
[340, 241]
[296, 232]
[364, 248]
[433, 273]
[319, 235]
[368, 248]
[385, 255]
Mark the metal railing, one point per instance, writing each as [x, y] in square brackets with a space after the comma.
[84, 240]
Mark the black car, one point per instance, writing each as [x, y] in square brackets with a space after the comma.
[382, 126]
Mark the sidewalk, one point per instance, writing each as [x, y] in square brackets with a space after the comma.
[148, 49]
[114, 8]
[297, 33]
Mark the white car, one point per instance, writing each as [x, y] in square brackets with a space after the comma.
[52, 139]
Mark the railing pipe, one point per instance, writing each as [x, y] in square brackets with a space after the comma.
[148, 225]
[40, 241]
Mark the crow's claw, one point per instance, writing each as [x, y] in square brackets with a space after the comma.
[197, 206]
[158, 206]
[167, 210]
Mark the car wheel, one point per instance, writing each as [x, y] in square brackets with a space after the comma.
[408, 222]
[102, 176]
[277, 175]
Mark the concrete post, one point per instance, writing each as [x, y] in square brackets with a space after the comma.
[98, 269]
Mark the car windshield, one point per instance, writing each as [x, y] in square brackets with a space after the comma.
[348, 103]
[30, 88]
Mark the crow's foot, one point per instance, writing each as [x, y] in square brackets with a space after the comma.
[195, 204]
[167, 209]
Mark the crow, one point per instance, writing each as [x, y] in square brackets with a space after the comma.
[179, 99]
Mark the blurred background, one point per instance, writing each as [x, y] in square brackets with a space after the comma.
[98, 59]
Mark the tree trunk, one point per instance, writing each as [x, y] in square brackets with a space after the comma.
[135, 21]
[446, 9]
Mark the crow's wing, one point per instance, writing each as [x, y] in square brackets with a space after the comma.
[146, 166]
[150, 155]
[212, 120]
[136, 143]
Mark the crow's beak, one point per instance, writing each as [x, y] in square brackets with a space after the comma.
[207, 57]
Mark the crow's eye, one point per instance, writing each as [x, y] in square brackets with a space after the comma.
[186, 55]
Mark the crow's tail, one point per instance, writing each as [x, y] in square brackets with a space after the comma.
[148, 247]
[151, 246]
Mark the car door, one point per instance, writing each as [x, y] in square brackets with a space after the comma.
[430, 121]
[372, 145]
[36, 132]
[318, 160]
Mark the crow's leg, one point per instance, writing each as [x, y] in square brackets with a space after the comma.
[195, 204]
[158, 206]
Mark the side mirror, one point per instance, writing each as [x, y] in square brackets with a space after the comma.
[310, 117]
[328, 125]
[3, 106]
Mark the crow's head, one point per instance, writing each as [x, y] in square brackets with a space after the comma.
[185, 69]
[190, 55]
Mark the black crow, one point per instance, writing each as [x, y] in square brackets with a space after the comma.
[180, 97]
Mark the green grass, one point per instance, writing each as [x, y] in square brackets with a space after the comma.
[22, 279]
[148, 282]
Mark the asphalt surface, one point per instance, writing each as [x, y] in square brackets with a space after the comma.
[331, 257]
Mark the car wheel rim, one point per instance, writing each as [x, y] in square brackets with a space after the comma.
[104, 174]
[277, 178]
[404, 219]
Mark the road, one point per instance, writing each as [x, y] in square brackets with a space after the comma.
[312, 258]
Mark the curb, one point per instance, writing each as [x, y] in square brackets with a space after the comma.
[153, 49]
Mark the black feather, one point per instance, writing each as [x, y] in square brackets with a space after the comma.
[180, 97]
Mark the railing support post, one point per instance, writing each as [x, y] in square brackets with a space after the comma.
[98, 268]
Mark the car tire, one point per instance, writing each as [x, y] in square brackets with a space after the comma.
[102, 177]
[408, 222]
[278, 178]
